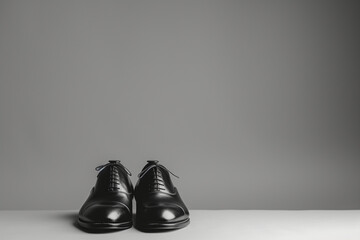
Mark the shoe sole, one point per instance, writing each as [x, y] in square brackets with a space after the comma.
[101, 227]
[156, 227]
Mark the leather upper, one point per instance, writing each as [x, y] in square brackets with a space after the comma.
[157, 200]
[110, 200]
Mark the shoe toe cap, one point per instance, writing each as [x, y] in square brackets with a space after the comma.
[106, 213]
[164, 214]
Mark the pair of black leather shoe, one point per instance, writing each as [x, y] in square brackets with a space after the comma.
[109, 206]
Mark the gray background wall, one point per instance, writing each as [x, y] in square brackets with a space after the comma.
[255, 104]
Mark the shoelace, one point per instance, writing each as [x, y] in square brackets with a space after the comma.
[112, 162]
[157, 183]
[114, 181]
[145, 170]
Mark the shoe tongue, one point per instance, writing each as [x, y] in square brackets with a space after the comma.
[114, 161]
[150, 163]
[153, 161]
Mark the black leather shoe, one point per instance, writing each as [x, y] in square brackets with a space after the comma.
[158, 203]
[109, 206]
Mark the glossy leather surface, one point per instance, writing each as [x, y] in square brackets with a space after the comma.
[158, 203]
[109, 205]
